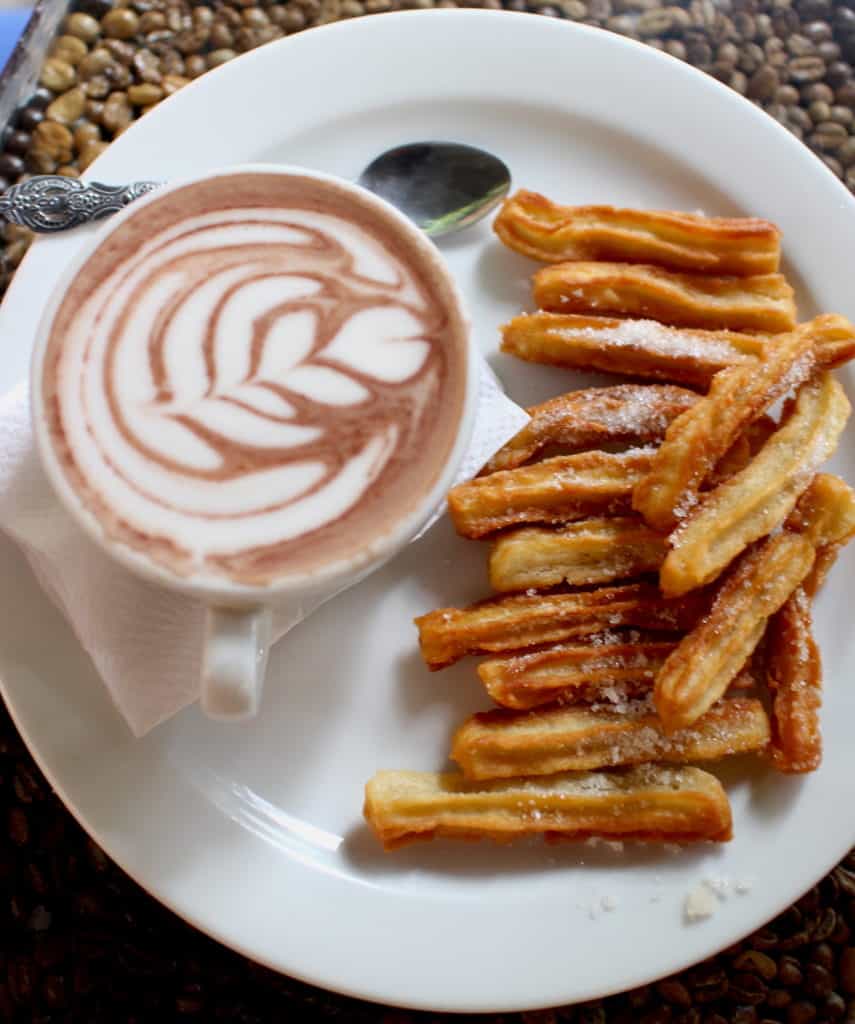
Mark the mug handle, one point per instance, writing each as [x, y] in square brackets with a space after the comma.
[234, 661]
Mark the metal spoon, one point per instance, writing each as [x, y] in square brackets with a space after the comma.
[442, 187]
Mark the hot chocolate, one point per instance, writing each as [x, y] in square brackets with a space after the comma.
[255, 376]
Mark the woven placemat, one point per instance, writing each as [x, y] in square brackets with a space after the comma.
[79, 941]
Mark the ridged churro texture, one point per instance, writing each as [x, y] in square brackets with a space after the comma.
[536, 226]
[556, 490]
[761, 303]
[700, 437]
[704, 662]
[644, 348]
[504, 744]
[591, 551]
[759, 498]
[593, 417]
[525, 620]
[649, 802]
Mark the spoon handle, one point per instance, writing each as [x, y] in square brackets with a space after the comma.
[48, 203]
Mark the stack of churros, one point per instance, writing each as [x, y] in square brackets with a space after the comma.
[654, 547]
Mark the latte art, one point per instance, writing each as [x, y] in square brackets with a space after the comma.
[252, 388]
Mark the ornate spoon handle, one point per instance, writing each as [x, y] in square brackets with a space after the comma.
[47, 203]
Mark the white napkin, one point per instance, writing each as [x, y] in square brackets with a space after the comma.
[146, 642]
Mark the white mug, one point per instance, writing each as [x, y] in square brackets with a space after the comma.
[239, 617]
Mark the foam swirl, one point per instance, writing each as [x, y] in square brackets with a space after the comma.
[244, 379]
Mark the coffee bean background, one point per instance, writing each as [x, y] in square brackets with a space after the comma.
[80, 943]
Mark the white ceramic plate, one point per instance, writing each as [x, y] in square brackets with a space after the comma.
[253, 832]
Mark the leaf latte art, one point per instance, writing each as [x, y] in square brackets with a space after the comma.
[248, 382]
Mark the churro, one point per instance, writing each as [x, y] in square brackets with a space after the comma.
[825, 514]
[644, 348]
[590, 551]
[795, 681]
[760, 303]
[699, 438]
[701, 668]
[592, 418]
[649, 802]
[525, 620]
[601, 666]
[759, 498]
[556, 490]
[535, 226]
[504, 744]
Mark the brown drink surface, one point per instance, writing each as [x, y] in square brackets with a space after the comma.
[254, 377]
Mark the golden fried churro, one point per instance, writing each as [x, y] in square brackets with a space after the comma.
[760, 497]
[535, 226]
[704, 663]
[699, 438]
[593, 417]
[556, 490]
[643, 348]
[649, 802]
[503, 744]
[760, 303]
[795, 680]
[825, 514]
[525, 620]
[602, 666]
[590, 551]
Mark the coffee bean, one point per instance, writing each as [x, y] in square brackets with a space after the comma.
[828, 51]
[52, 140]
[817, 31]
[763, 83]
[819, 111]
[82, 26]
[787, 94]
[68, 107]
[801, 1013]
[798, 116]
[70, 49]
[833, 164]
[838, 73]
[842, 115]
[762, 27]
[98, 87]
[676, 47]
[850, 184]
[86, 133]
[818, 981]
[94, 110]
[91, 151]
[120, 23]
[19, 828]
[118, 113]
[172, 83]
[675, 992]
[800, 46]
[845, 95]
[803, 70]
[123, 51]
[94, 63]
[221, 36]
[218, 57]
[778, 998]
[145, 94]
[11, 166]
[789, 971]
[57, 75]
[147, 67]
[818, 91]
[756, 962]
[152, 21]
[745, 1015]
[195, 65]
[834, 1007]
[16, 141]
[751, 58]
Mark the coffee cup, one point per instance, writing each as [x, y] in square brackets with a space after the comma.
[254, 387]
